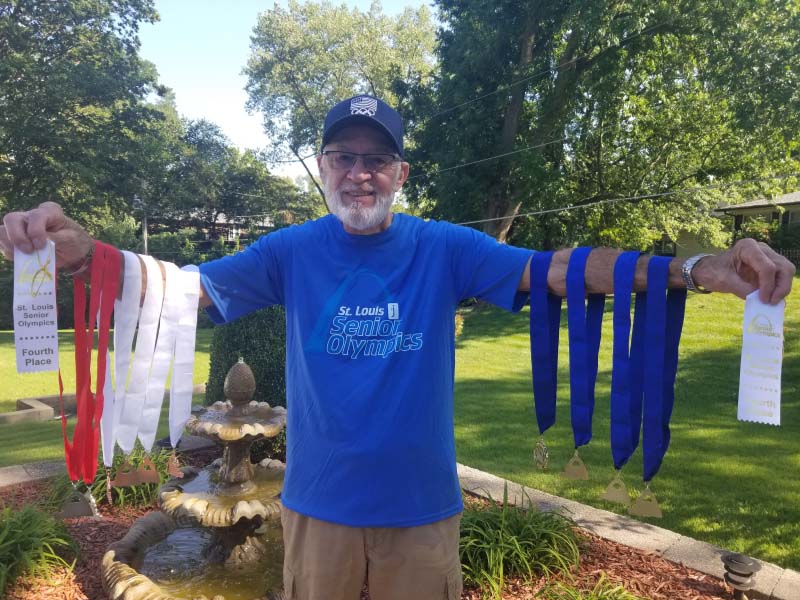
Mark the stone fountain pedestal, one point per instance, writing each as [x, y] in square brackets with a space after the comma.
[218, 533]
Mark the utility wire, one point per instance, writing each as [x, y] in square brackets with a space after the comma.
[632, 198]
[482, 160]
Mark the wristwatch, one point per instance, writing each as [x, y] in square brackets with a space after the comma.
[686, 274]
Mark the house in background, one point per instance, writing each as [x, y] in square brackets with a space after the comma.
[783, 209]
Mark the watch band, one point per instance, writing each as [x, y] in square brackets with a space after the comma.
[686, 274]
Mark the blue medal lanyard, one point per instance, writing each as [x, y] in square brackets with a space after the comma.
[626, 374]
[665, 311]
[545, 318]
[585, 319]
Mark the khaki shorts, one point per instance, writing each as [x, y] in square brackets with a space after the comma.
[326, 561]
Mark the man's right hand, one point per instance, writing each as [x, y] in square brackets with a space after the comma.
[32, 229]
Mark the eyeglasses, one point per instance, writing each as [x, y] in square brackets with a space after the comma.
[344, 161]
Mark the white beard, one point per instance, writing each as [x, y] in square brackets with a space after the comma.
[356, 216]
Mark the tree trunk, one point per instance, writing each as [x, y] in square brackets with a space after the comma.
[500, 206]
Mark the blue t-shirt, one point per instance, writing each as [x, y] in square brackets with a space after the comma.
[370, 357]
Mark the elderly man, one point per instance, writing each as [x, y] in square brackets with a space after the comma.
[371, 486]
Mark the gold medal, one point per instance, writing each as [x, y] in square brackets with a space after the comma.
[575, 468]
[646, 504]
[174, 466]
[147, 472]
[617, 492]
[126, 476]
[541, 454]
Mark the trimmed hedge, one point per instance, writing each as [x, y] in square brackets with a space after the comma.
[259, 338]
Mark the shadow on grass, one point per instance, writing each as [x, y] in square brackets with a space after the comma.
[722, 481]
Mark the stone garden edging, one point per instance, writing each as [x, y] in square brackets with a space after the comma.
[772, 582]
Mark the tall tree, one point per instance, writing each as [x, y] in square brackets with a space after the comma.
[71, 90]
[212, 182]
[588, 100]
[309, 56]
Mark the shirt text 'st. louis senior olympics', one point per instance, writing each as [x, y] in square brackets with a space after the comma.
[370, 355]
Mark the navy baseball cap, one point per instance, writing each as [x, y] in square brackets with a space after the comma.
[364, 110]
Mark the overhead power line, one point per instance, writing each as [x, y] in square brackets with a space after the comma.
[584, 204]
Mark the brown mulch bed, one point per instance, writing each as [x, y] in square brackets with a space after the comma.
[641, 573]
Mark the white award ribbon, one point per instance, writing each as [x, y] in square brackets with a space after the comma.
[35, 323]
[162, 357]
[180, 397]
[127, 427]
[762, 358]
[126, 315]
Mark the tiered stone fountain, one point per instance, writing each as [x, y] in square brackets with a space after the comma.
[218, 535]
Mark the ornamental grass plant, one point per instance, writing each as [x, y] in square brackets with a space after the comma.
[143, 494]
[32, 544]
[603, 590]
[505, 541]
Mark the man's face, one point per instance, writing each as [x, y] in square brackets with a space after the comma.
[361, 197]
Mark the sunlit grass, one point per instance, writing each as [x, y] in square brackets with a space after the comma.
[42, 440]
[28, 385]
[729, 483]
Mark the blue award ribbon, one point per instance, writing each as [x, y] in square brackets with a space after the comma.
[665, 311]
[626, 374]
[585, 320]
[545, 319]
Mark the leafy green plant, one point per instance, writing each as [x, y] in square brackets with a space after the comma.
[143, 494]
[603, 590]
[274, 447]
[32, 544]
[509, 541]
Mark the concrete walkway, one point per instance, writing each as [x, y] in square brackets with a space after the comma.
[772, 581]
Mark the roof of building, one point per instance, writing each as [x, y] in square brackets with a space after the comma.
[785, 200]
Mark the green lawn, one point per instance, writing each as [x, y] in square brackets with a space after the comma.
[28, 385]
[729, 483]
[37, 441]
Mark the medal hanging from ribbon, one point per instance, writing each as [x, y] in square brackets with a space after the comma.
[81, 452]
[166, 337]
[585, 320]
[126, 315]
[626, 373]
[665, 311]
[545, 319]
[180, 396]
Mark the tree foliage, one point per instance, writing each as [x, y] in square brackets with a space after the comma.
[71, 90]
[309, 56]
[210, 182]
[593, 100]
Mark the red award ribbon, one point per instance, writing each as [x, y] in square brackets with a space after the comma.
[81, 453]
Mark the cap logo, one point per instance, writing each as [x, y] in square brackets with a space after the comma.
[364, 106]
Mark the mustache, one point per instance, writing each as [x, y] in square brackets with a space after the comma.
[358, 189]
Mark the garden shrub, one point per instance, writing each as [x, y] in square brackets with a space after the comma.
[32, 543]
[274, 447]
[504, 541]
[260, 339]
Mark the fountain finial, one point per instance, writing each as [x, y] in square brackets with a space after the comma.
[240, 384]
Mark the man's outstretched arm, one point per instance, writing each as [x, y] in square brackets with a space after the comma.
[32, 229]
[747, 266]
